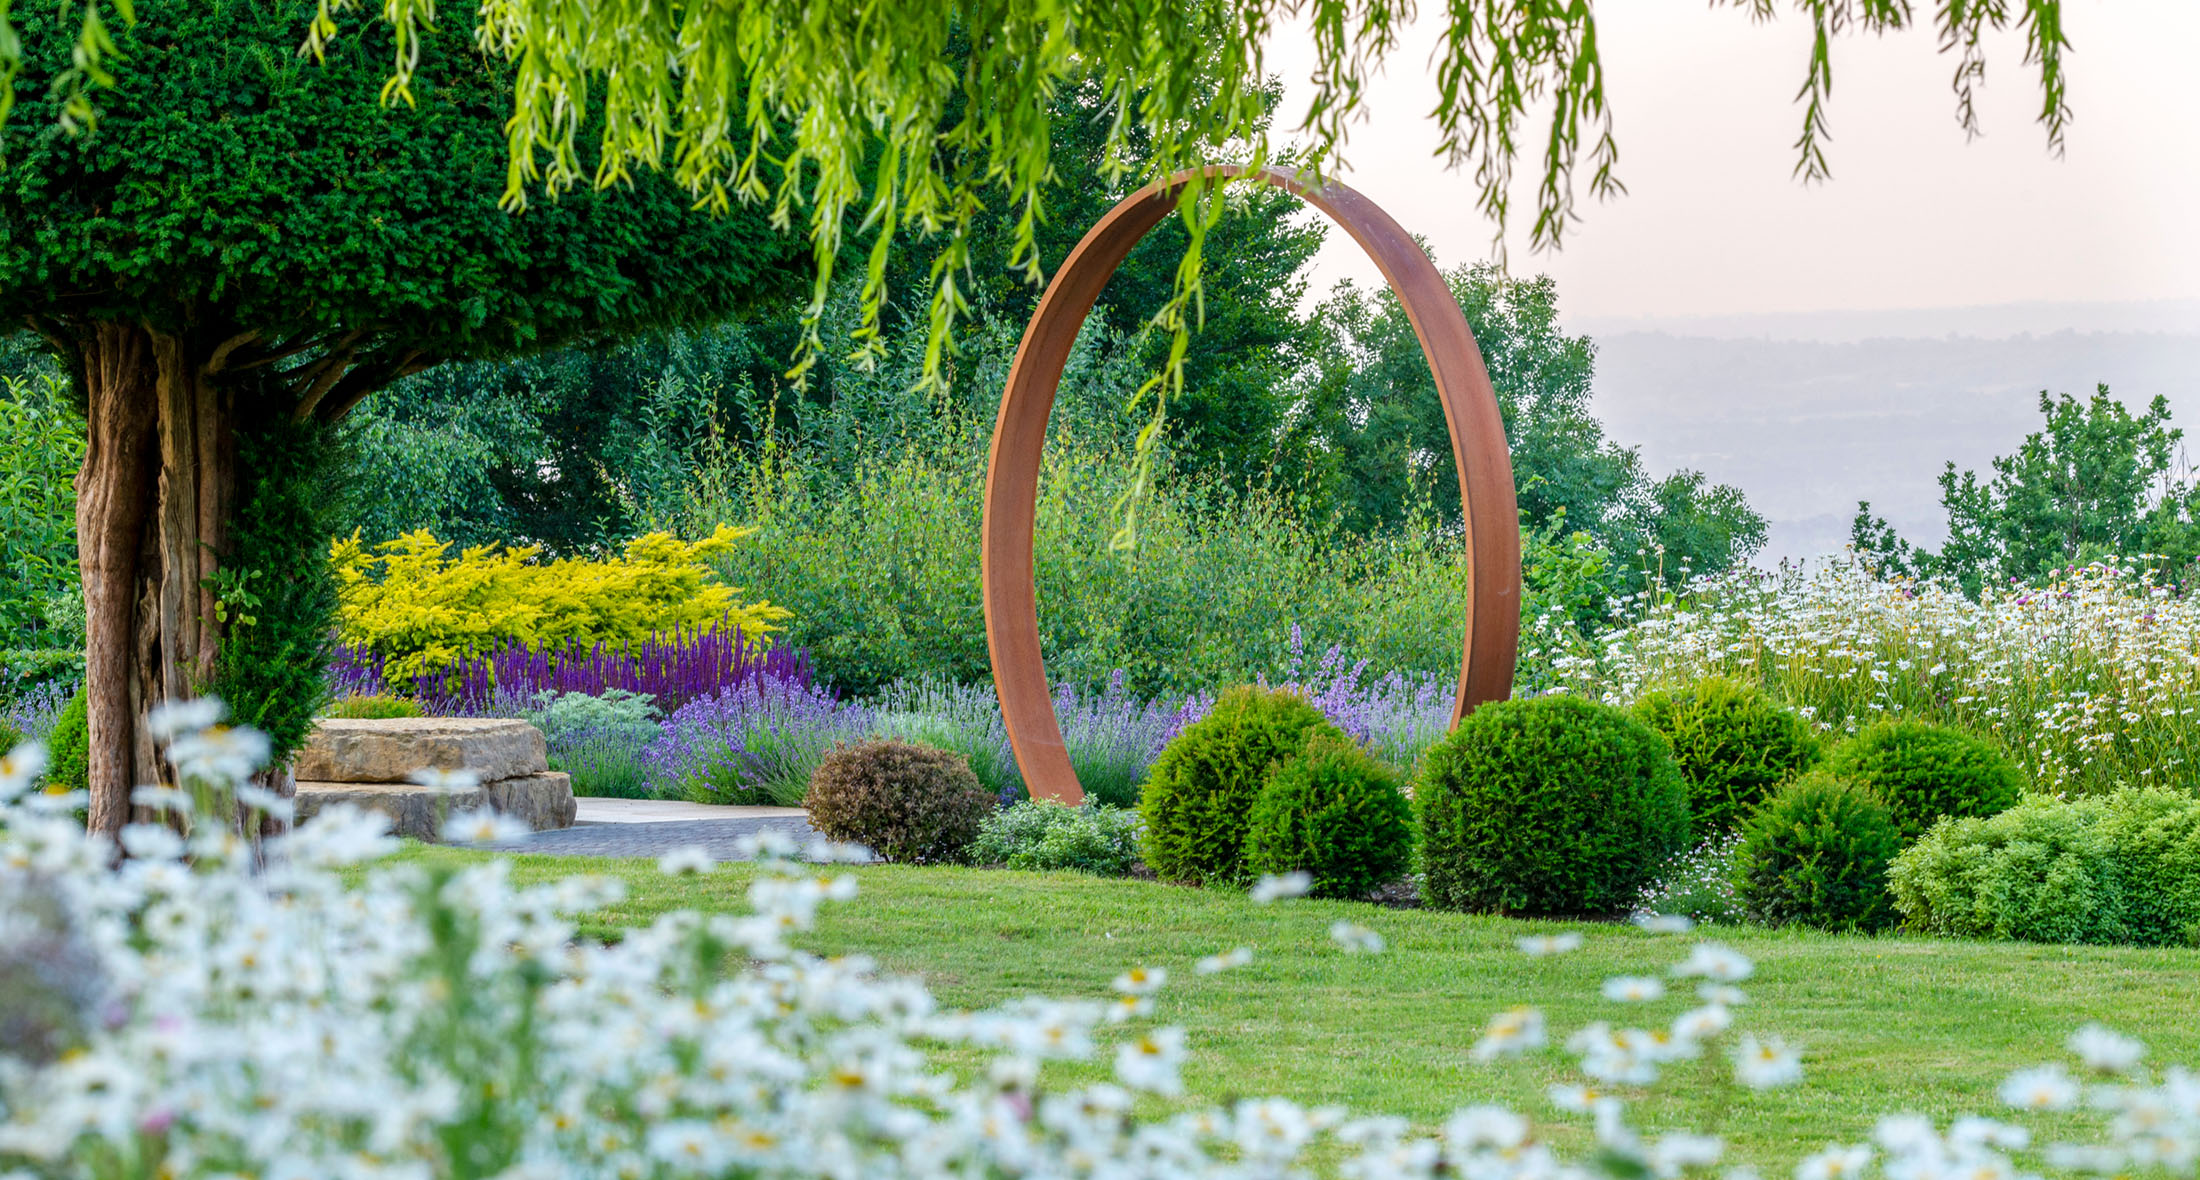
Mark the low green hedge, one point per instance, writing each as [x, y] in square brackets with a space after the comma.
[2122, 868]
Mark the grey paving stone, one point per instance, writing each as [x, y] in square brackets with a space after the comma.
[718, 837]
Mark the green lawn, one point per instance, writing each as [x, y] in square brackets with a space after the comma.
[1888, 1023]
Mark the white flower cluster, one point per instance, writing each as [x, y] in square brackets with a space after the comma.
[201, 1012]
[2093, 680]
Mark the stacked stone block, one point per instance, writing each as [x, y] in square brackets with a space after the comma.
[370, 764]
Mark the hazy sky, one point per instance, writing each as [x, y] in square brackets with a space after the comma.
[1914, 216]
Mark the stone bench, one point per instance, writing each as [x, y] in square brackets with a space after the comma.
[368, 764]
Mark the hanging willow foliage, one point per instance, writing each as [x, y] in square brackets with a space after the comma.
[855, 114]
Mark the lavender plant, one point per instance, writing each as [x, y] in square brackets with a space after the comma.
[1396, 717]
[671, 669]
[756, 742]
[32, 712]
[963, 718]
[1113, 737]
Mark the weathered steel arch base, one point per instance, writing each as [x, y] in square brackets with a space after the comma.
[1012, 479]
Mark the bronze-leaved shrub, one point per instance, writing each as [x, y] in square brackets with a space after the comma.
[908, 803]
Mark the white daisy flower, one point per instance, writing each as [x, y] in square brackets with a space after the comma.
[686, 860]
[1152, 1062]
[486, 826]
[1511, 1033]
[1537, 946]
[1767, 1064]
[2046, 1087]
[1355, 938]
[1716, 962]
[2105, 1051]
[1277, 888]
[1216, 964]
[172, 719]
[1666, 923]
[445, 782]
[1633, 989]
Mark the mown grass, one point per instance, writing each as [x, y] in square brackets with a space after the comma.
[1888, 1024]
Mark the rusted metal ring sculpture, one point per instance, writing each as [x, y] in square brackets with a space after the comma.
[1012, 477]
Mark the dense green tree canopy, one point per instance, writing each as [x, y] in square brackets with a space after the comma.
[912, 116]
[2097, 482]
[246, 246]
[1373, 432]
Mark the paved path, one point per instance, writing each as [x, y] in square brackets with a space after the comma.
[719, 837]
[590, 810]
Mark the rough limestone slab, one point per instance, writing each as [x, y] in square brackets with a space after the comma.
[393, 749]
[543, 801]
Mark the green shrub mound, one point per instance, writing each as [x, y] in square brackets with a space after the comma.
[909, 804]
[1554, 805]
[1044, 836]
[10, 737]
[1199, 795]
[371, 708]
[1334, 811]
[68, 747]
[1733, 746]
[1815, 853]
[2122, 868]
[1927, 771]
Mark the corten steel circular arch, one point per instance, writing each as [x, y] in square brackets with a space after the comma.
[1012, 478]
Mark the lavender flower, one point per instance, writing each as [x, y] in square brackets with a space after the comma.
[34, 712]
[671, 669]
[756, 742]
[1396, 717]
[1113, 737]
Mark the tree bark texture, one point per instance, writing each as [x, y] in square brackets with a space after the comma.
[153, 498]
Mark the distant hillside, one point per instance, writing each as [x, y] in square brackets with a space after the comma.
[1807, 427]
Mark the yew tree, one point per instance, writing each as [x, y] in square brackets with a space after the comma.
[245, 245]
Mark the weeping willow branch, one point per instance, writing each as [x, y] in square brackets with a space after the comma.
[841, 115]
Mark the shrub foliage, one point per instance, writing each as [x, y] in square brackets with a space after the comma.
[908, 803]
[1554, 805]
[1815, 853]
[2117, 868]
[1199, 795]
[1334, 811]
[1927, 771]
[67, 747]
[1733, 745]
[422, 611]
[1043, 835]
[371, 708]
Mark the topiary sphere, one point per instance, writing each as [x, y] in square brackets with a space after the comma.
[1336, 812]
[1554, 805]
[1199, 795]
[67, 747]
[909, 804]
[1732, 744]
[1926, 771]
[1816, 852]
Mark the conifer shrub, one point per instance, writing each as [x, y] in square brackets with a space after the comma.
[422, 610]
[909, 804]
[68, 747]
[1927, 771]
[1199, 795]
[380, 707]
[1733, 745]
[2121, 868]
[1553, 805]
[1815, 853]
[1334, 811]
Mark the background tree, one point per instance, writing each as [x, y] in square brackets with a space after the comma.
[864, 108]
[1374, 429]
[248, 246]
[2097, 482]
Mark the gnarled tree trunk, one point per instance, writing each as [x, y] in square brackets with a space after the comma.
[155, 492]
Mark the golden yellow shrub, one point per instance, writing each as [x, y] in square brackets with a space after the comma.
[421, 610]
